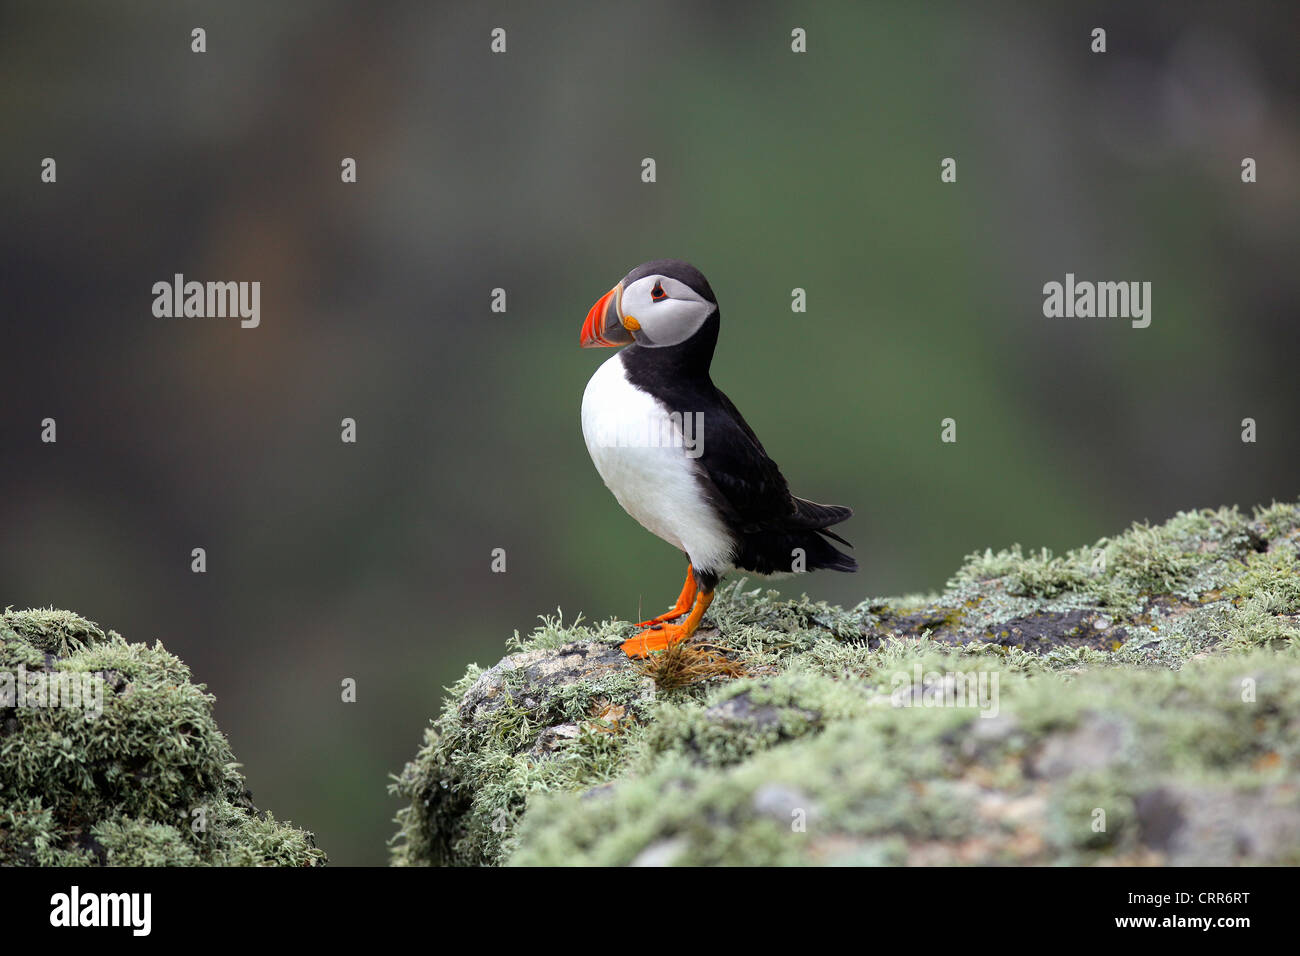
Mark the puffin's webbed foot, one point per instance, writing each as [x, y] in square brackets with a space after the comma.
[662, 636]
[684, 602]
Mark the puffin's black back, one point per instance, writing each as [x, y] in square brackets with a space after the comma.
[735, 473]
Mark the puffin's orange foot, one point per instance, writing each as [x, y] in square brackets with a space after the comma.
[671, 615]
[685, 601]
[663, 636]
[657, 638]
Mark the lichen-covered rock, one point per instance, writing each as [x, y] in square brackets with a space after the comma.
[548, 717]
[110, 756]
[1136, 701]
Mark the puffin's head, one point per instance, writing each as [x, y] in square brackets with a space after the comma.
[658, 303]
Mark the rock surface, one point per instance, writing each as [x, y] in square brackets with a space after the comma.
[1136, 701]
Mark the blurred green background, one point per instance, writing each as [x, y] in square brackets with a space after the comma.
[522, 171]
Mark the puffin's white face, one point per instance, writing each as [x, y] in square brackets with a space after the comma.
[654, 311]
[660, 311]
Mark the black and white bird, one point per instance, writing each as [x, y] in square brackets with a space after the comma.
[679, 457]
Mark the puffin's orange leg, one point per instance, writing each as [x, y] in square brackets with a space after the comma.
[684, 601]
[662, 636]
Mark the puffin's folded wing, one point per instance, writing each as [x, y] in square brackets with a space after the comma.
[754, 494]
[746, 485]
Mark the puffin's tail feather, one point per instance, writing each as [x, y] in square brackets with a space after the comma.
[818, 518]
[769, 551]
[832, 534]
[811, 516]
[823, 554]
[772, 552]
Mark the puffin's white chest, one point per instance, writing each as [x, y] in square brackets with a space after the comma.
[630, 438]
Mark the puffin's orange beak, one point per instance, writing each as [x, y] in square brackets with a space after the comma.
[604, 325]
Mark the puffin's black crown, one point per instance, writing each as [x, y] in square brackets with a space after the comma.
[673, 269]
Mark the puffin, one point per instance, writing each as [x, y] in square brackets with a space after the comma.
[680, 458]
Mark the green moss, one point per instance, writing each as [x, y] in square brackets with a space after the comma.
[480, 765]
[1118, 571]
[1278, 520]
[1035, 575]
[112, 756]
[1137, 690]
[553, 633]
[1275, 574]
[1027, 790]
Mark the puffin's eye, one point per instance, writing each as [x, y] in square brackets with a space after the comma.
[658, 293]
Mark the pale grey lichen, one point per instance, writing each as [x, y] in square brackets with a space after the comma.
[1147, 706]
